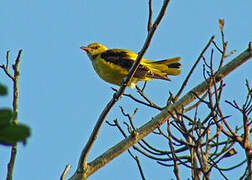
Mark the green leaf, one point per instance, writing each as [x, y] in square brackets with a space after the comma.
[12, 134]
[3, 90]
[5, 116]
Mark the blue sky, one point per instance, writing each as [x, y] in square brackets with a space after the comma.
[61, 97]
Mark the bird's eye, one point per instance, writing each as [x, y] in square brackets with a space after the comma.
[95, 47]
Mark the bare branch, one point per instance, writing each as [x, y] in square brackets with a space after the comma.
[14, 79]
[67, 168]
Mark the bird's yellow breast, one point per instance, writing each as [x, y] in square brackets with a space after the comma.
[109, 72]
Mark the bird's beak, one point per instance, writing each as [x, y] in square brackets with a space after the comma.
[85, 48]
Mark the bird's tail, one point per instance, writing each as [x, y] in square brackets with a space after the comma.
[166, 67]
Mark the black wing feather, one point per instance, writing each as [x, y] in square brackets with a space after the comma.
[122, 59]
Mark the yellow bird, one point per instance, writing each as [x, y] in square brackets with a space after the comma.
[112, 65]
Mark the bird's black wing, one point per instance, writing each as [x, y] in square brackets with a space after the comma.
[121, 58]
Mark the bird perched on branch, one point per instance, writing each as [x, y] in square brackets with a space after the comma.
[112, 65]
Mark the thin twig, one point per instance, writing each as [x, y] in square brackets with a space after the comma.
[67, 168]
[192, 69]
[150, 16]
[174, 157]
[129, 117]
[6, 66]
[139, 167]
[217, 47]
[147, 99]
[142, 102]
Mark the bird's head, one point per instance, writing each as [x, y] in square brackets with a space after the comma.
[94, 49]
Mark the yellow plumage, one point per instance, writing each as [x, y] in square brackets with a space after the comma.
[112, 65]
